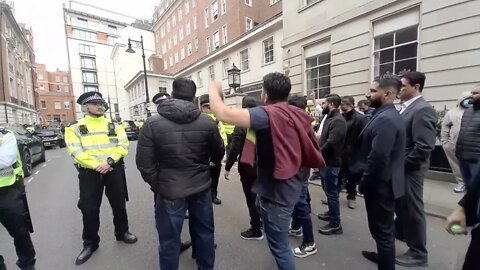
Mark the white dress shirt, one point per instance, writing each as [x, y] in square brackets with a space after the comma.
[320, 128]
[408, 103]
[8, 151]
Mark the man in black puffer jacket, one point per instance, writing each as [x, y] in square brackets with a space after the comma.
[468, 144]
[174, 152]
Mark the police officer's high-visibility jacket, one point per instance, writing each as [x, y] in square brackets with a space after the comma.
[92, 141]
[221, 128]
[9, 175]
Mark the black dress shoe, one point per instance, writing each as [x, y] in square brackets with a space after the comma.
[185, 245]
[127, 238]
[371, 256]
[85, 254]
[411, 260]
[216, 201]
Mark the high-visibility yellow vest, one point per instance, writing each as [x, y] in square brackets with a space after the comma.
[229, 129]
[92, 140]
[9, 175]
[30, 129]
[221, 128]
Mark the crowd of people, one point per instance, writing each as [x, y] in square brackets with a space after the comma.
[379, 150]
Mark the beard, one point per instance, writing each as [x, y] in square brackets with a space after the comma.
[375, 103]
[326, 111]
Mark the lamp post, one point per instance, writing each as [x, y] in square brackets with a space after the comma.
[233, 78]
[130, 50]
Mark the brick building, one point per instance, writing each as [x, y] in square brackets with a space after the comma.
[16, 83]
[56, 102]
[188, 30]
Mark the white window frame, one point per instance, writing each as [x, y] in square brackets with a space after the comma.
[187, 7]
[244, 62]
[86, 49]
[188, 30]
[394, 47]
[182, 53]
[175, 39]
[194, 3]
[306, 2]
[225, 67]
[248, 24]
[189, 49]
[174, 20]
[180, 33]
[249, 2]
[66, 105]
[318, 66]
[206, 15]
[180, 14]
[225, 34]
[59, 107]
[211, 73]
[43, 104]
[214, 10]
[216, 40]
[224, 7]
[273, 2]
[207, 44]
[176, 58]
[194, 22]
[264, 52]
[196, 44]
[199, 78]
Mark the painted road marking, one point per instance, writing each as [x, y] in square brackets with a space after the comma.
[44, 165]
[29, 180]
[37, 172]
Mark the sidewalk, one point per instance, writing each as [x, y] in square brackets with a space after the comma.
[438, 196]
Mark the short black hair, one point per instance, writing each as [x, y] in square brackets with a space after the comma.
[388, 81]
[277, 86]
[415, 77]
[184, 88]
[349, 100]
[334, 99]
[298, 101]
[249, 102]
[363, 102]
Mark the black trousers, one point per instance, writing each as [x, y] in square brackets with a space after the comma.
[247, 183]
[380, 205]
[12, 210]
[411, 223]
[351, 181]
[472, 260]
[92, 185]
[215, 175]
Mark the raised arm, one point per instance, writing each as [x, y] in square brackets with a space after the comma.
[233, 116]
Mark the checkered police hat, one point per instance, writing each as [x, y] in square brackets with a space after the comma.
[90, 97]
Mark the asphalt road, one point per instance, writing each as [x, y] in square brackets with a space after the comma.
[53, 195]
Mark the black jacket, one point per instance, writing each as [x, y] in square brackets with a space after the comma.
[380, 154]
[235, 153]
[332, 139]
[468, 144]
[175, 149]
[355, 123]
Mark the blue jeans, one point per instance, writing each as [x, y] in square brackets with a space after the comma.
[276, 222]
[330, 182]
[301, 216]
[169, 216]
[470, 171]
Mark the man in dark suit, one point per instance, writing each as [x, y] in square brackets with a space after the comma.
[380, 161]
[420, 122]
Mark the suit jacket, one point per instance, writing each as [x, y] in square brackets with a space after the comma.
[332, 139]
[420, 122]
[381, 152]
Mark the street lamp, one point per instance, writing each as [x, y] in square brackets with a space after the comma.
[233, 78]
[130, 50]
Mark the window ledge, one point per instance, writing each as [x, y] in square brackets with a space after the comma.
[247, 70]
[308, 6]
[269, 63]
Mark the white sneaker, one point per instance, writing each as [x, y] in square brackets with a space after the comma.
[304, 250]
[460, 188]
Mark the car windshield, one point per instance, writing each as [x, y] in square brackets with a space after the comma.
[48, 132]
[15, 128]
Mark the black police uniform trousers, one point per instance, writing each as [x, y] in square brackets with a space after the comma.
[12, 217]
[92, 185]
[215, 176]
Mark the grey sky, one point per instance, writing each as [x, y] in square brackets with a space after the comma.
[46, 18]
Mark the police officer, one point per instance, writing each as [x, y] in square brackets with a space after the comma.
[98, 147]
[215, 169]
[13, 208]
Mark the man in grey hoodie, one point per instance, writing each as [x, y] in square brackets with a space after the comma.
[449, 135]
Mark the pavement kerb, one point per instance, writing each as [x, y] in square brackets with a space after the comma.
[430, 210]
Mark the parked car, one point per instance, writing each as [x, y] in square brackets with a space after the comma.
[30, 146]
[51, 138]
[131, 129]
